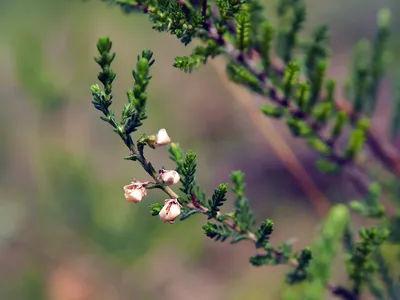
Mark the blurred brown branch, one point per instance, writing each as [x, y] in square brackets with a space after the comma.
[318, 200]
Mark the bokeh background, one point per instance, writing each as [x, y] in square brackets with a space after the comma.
[66, 231]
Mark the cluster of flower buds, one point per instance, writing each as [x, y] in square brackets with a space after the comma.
[136, 190]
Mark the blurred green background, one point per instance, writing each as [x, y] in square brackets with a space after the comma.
[66, 231]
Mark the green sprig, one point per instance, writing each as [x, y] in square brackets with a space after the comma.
[264, 232]
[217, 200]
[244, 217]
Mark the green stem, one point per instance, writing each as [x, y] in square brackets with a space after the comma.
[386, 278]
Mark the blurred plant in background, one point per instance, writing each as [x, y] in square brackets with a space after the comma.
[65, 233]
[308, 103]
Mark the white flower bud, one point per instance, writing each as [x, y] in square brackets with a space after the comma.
[135, 191]
[162, 138]
[170, 211]
[168, 177]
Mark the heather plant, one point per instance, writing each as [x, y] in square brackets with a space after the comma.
[272, 60]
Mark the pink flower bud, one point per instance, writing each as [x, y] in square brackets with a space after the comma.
[170, 211]
[162, 138]
[168, 177]
[135, 191]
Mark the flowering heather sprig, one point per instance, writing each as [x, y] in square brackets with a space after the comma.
[237, 225]
[294, 81]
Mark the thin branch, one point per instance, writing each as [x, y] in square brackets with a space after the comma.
[341, 292]
[204, 8]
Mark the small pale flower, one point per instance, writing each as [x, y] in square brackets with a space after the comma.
[135, 191]
[168, 177]
[162, 138]
[170, 211]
